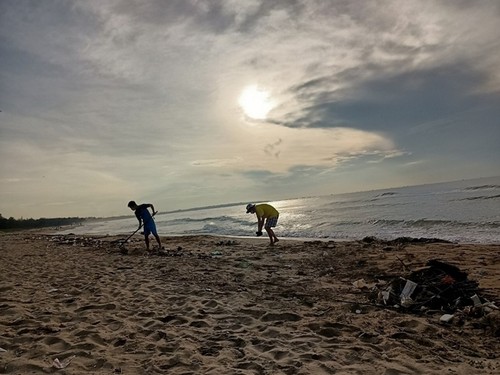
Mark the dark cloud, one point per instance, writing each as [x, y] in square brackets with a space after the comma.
[394, 102]
[429, 113]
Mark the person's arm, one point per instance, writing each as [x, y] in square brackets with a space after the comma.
[260, 223]
[152, 209]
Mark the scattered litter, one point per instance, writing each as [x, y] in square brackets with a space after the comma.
[405, 295]
[216, 254]
[2, 350]
[71, 239]
[227, 243]
[62, 364]
[52, 290]
[489, 307]
[446, 318]
[384, 295]
[437, 287]
[408, 289]
[475, 299]
[170, 253]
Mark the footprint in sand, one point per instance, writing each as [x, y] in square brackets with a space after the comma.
[56, 344]
[290, 317]
[328, 329]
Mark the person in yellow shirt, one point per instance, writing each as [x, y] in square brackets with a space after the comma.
[267, 217]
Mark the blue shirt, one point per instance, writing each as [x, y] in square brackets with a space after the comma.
[142, 213]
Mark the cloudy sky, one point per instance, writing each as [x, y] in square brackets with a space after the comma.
[186, 103]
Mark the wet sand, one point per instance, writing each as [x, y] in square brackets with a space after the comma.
[217, 305]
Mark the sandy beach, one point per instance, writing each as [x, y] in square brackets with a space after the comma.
[218, 305]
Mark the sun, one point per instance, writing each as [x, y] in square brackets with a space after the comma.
[255, 102]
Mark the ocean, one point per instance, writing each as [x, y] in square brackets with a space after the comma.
[466, 211]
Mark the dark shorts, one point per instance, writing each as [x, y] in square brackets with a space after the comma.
[271, 222]
[150, 228]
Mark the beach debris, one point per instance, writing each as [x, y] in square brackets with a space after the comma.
[404, 240]
[437, 287]
[226, 243]
[475, 299]
[62, 364]
[168, 252]
[405, 295]
[446, 318]
[216, 254]
[71, 239]
[2, 350]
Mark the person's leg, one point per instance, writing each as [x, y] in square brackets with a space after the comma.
[271, 222]
[147, 232]
[152, 228]
[158, 239]
[274, 236]
[270, 234]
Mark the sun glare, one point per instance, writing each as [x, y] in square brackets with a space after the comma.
[255, 102]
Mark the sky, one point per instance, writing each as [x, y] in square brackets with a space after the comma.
[186, 103]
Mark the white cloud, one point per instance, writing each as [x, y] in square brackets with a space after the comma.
[278, 149]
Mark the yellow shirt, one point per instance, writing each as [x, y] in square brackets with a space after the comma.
[266, 211]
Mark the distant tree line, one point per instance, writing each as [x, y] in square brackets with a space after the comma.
[12, 223]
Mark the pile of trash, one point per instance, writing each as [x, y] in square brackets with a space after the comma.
[438, 287]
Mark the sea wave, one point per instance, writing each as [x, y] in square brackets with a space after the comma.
[422, 223]
[481, 197]
[223, 218]
[483, 187]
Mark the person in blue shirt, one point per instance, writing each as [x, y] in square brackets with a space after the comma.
[146, 219]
